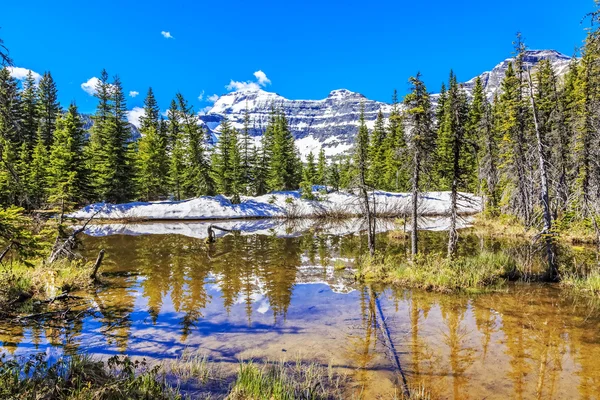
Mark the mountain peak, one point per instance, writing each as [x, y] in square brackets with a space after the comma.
[343, 93]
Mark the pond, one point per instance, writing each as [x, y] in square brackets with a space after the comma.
[288, 291]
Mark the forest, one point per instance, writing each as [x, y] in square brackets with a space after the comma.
[531, 152]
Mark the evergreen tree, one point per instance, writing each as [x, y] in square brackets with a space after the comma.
[321, 174]
[37, 185]
[12, 190]
[396, 171]
[67, 175]
[29, 98]
[513, 121]
[284, 163]
[361, 158]
[221, 163]
[246, 153]
[309, 174]
[419, 124]
[110, 139]
[197, 179]
[152, 164]
[481, 126]
[333, 176]
[48, 108]
[377, 152]
[455, 152]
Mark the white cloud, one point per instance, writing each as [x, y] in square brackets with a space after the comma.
[133, 93]
[261, 81]
[262, 78]
[213, 97]
[201, 96]
[204, 110]
[21, 73]
[90, 86]
[133, 116]
[167, 35]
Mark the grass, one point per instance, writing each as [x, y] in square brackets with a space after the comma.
[436, 272]
[80, 377]
[587, 284]
[286, 381]
[42, 280]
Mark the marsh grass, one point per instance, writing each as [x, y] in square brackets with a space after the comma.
[587, 284]
[42, 280]
[438, 273]
[80, 378]
[287, 381]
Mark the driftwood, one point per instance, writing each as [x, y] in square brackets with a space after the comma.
[65, 249]
[211, 233]
[97, 265]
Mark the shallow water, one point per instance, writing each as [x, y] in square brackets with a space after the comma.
[268, 297]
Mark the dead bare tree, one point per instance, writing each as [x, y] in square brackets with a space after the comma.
[545, 197]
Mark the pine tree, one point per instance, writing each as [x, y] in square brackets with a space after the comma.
[361, 158]
[67, 175]
[221, 166]
[246, 154]
[48, 108]
[513, 120]
[238, 169]
[110, 158]
[197, 179]
[321, 176]
[152, 164]
[481, 126]
[455, 150]
[396, 171]
[12, 190]
[37, 188]
[309, 174]
[284, 161]
[419, 125]
[333, 176]
[377, 152]
[29, 98]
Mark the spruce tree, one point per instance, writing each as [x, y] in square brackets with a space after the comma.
[321, 176]
[455, 152]
[152, 164]
[48, 108]
[37, 181]
[12, 190]
[421, 134]
[197, 177]
[481, 126]
[67, 175]
[29, 98]
[377, 152]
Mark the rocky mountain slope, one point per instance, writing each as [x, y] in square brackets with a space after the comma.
[331, 123]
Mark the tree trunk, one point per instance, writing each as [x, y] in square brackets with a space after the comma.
[552, 271]
[415, 204]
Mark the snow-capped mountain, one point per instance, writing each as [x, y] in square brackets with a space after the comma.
[331, 123]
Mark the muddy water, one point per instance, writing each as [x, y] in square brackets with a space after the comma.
[274, 295]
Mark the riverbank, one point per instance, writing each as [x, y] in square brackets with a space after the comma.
[82, 377]
[288, 204]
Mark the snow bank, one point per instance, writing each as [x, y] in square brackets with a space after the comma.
[270, 227]
[279, 205]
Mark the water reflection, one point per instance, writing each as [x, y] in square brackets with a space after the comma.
[269, 297]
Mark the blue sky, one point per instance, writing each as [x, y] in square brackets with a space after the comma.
[304, 48]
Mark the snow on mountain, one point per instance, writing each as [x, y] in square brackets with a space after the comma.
[331, 123]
